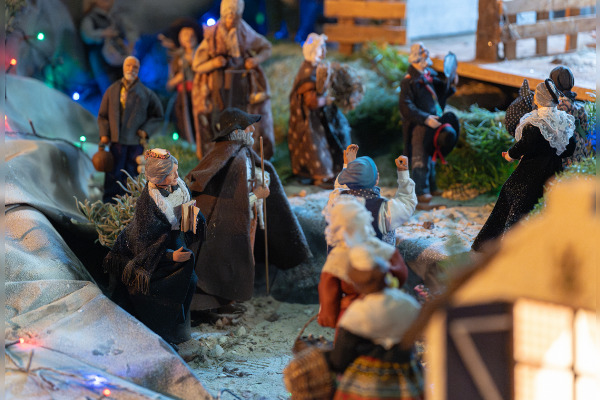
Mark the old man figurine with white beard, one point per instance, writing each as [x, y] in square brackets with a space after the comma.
[228, 74]
[128, 114]
[227, 188]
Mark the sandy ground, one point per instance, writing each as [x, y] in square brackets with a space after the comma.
[247, 355]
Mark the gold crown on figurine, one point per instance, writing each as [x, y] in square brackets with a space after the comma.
[157, 153]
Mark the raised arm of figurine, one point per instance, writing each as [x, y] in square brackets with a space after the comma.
[401, 207]
[349, 156]
[350, 153]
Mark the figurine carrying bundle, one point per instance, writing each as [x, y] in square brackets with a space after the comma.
[318, 131]
[340, 82]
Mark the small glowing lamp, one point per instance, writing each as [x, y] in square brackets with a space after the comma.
[210, 22]
[82, 138]
[76, 96]
[175, 136]
[21, 340]
[106, 392]
[40, 36]
[13, 61]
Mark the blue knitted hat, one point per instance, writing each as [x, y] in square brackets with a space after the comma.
[359, 174]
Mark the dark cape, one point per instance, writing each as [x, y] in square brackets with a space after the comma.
[146, 281]
[225, 261]
[525, 186]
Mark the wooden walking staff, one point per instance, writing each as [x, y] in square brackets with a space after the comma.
[264, 205]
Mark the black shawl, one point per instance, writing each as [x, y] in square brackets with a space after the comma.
[141, 246]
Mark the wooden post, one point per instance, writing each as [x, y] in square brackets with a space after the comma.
[262, 167]
[346, 48]
[488, 31]
[541, 44]
[510, 46]
[571, 43]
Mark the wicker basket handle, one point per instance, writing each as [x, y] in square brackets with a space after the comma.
[305, 325]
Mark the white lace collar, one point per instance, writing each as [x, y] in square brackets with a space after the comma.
[555, 125]
[171, 205]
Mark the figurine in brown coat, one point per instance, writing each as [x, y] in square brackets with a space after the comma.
[228, 74]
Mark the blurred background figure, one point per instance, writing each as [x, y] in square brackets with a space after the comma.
[228, 74]
[181, 75]
[109, 39]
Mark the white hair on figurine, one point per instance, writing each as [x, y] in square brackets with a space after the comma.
[348, 222]
[232, 7]
[419, 55]
[314, 48]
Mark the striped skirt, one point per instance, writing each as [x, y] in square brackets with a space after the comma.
[368, 378]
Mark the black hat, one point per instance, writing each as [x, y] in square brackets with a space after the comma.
[563, 80]
[231, 119]
[447, 137]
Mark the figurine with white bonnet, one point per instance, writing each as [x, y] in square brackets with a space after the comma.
[318, 131]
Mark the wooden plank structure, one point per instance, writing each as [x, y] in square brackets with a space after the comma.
[360, 21]
[498, 24]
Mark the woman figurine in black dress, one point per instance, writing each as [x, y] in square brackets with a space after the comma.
[544, 137]
[152, 269]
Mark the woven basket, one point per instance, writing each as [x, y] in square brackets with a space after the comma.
[307, 376]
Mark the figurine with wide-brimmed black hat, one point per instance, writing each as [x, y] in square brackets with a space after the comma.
[227, 187]
[230, 120]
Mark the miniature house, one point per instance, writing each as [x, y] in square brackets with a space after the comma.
[521, 324]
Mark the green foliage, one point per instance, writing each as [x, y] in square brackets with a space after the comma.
[376, 122]
[281, 70]
[281, 162]
[476, 161]
[110, 219]
[584, 168]
[590, 110]
[184, 152]
[389, 63]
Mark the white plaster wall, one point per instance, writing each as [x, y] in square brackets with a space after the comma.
[431, 18]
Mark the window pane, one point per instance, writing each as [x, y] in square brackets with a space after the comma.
[542, 384]
[543, 334]
[586, 388]
[586, 344]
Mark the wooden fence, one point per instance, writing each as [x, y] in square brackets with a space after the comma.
[360, 21]
[498, 24]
